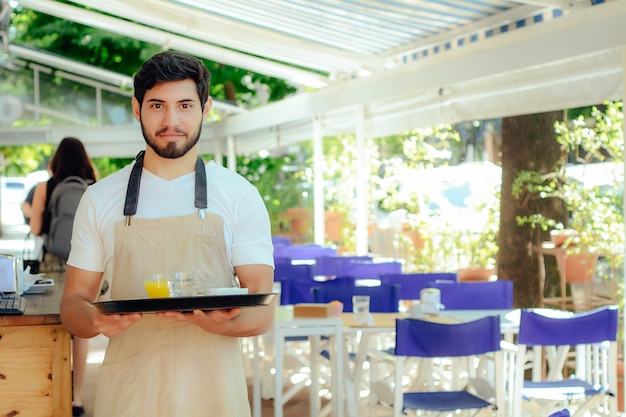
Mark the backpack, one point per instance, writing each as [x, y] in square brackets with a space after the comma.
[62, 208]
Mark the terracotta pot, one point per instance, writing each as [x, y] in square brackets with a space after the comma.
[558, 237]
[475, 274]
[580, 267]
[334, 226]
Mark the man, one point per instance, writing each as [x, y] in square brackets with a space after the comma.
[129, 226]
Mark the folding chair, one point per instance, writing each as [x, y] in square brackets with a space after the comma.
[412, 284]
[591, 338]
[493, 295]
[383, 298]
[433, 340]
[335, 265]
[368, 269]
[304, 252]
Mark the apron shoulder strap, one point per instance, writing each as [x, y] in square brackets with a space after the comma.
[132, 191]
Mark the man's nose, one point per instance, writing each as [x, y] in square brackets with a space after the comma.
[170, 117]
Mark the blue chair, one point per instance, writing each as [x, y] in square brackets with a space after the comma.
[592, 337]
[492, 295]
[279, 241]
[335, 265]
[297, 291]
[412, 284]
[429, 340]
[383, 298]
[293, 280]
[367, 269]
[308, 252]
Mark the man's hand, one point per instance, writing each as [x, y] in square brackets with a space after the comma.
[214, 321]
[113, 324]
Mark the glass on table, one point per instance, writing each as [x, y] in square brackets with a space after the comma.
[361, 308]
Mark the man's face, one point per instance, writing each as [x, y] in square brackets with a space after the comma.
[171, 117]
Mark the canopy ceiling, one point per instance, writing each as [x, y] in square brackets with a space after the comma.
[401, 64]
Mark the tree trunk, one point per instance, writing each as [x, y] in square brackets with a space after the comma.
[528, 143]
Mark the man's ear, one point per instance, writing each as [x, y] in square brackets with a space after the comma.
[136, 109]
[207, 108]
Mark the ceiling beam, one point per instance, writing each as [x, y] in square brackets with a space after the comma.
[553, 41]
[172, 41]
[211, 28]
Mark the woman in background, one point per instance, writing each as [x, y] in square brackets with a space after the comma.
[70, 159]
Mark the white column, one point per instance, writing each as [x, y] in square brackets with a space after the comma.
[624, 269]
[362, 174]
[319, 222]
[231, 154]
[219, 153]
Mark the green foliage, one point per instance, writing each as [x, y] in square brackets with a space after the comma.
[19, 161]
[283, 182]
[124, 55]
[106, 166]
[595, 213]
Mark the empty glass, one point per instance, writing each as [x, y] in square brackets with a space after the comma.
[172, 284]
[361, 308]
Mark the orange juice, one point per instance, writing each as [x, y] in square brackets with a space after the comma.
[157, 288]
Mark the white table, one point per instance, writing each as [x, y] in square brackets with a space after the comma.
[313, 328]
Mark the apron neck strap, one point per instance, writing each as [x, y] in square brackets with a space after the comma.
[132, 192]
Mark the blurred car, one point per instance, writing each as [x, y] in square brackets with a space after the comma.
[12, 193]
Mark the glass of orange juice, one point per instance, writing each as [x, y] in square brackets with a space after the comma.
[157, 286]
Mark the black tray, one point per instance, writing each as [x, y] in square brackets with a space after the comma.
[184, 304]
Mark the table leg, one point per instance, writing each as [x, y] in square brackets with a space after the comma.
[314, 342]
[278, 375]
[256, 378]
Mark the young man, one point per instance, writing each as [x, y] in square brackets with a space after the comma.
[129, 226]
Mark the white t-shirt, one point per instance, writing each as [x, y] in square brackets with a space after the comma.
[246, 222]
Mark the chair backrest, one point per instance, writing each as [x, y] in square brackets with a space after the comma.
[279, 241]
[412, 284]
[304, 251]
[367, 269]
[297, 291]
[383, 298]
[285, 271]
[594, 326]
[296, 281]
[431, 339]
[334, 265]
[496, 295]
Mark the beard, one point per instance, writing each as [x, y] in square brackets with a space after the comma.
[172, 150]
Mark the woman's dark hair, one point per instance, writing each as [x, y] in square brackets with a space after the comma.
[172, 66]
[70, 159]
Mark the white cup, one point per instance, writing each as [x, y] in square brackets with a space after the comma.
[361, 308]
[431, 300]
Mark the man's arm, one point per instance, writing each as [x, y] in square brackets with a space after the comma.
[79, 316]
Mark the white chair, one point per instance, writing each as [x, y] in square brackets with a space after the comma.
[590, 339]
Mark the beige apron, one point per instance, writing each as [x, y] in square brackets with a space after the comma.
[160, 367]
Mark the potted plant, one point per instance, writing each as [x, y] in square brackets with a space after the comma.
[477, 247]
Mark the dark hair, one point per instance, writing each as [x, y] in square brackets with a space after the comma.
[70, 159]
[172, 66]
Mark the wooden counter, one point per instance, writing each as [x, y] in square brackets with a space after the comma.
[35, 360]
